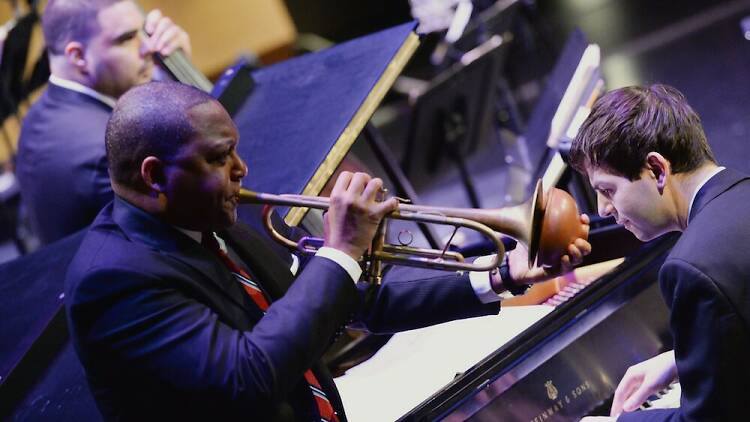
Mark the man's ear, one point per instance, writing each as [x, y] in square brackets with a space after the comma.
[75, 53]
[152, 172]
[660, 167]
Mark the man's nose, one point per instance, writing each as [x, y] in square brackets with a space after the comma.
[239, 169]
[604, 206]
[144, 47]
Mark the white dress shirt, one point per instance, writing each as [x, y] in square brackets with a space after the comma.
[700, 185]
[83, 89]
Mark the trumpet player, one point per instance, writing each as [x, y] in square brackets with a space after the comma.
[177, 312]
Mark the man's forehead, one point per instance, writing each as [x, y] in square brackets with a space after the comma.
[210, 117]
[598, 175]
[119, 18]
[208, 110]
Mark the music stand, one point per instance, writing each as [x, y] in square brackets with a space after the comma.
[573, 83]
[454, 112]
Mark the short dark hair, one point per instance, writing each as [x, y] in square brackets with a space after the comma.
[627, 123]
[64, 21]
[149, 120]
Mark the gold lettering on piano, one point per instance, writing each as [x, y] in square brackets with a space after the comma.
[551, 390]
[559, 403]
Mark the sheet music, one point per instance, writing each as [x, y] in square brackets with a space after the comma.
[415, 364]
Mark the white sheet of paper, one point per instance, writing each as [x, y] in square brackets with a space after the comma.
[415, 364]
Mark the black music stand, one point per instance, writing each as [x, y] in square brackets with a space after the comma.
[538, 129]
[454, 113]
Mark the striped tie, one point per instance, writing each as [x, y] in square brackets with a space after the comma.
[327, 414]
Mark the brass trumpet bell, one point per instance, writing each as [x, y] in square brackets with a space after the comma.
[545, 224]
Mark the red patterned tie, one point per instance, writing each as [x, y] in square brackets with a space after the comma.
[325, 409]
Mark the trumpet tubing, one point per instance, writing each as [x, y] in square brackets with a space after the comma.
[546, 224]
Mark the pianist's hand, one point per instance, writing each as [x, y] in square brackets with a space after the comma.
[643, 380]
[519, 263]
[598, 419]
[166, 36]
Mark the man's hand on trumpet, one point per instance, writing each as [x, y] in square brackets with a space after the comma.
[521, 273]
[355, 213]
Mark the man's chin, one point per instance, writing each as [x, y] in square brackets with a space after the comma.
[645, 237]
[230, 219]
[637, 233]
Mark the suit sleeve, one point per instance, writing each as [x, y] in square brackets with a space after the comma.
[101, 185]
[155, 330]
[412, 298]
[710, 344]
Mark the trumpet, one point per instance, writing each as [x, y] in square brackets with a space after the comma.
[546, 224]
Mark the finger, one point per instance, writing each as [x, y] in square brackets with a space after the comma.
[585, 228]
[147, 43]
[386, 207]
[342, 183]
[175, 38]
[638, 397]
[373, 188]
[626, 387]
[585, 219]
[566, 264]
[584, 246]
[183, 42]
[358, 183]
[151, 19]
[167, 42]
[575, 254]
[162, 26]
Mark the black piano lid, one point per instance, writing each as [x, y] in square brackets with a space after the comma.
[548, 336]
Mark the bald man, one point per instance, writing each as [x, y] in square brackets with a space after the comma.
[178, 313]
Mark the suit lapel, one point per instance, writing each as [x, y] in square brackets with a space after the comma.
[144, 228]
[715, 186]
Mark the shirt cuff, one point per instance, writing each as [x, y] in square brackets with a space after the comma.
[295, 264]
[345, 261]
[480, 282]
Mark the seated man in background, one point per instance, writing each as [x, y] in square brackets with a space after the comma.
[97, 51]
[646, 155]
[178, 313]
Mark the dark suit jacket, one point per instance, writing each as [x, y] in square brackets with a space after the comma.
[705, 281]
[164, 330]
[61, 163]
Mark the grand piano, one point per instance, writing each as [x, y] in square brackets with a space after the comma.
[558, 360]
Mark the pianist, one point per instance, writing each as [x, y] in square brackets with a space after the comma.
[170, 327]
[646, 155]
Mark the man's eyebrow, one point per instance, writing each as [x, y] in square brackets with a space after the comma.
[125, 36]
[601, 186]
[224, 143]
